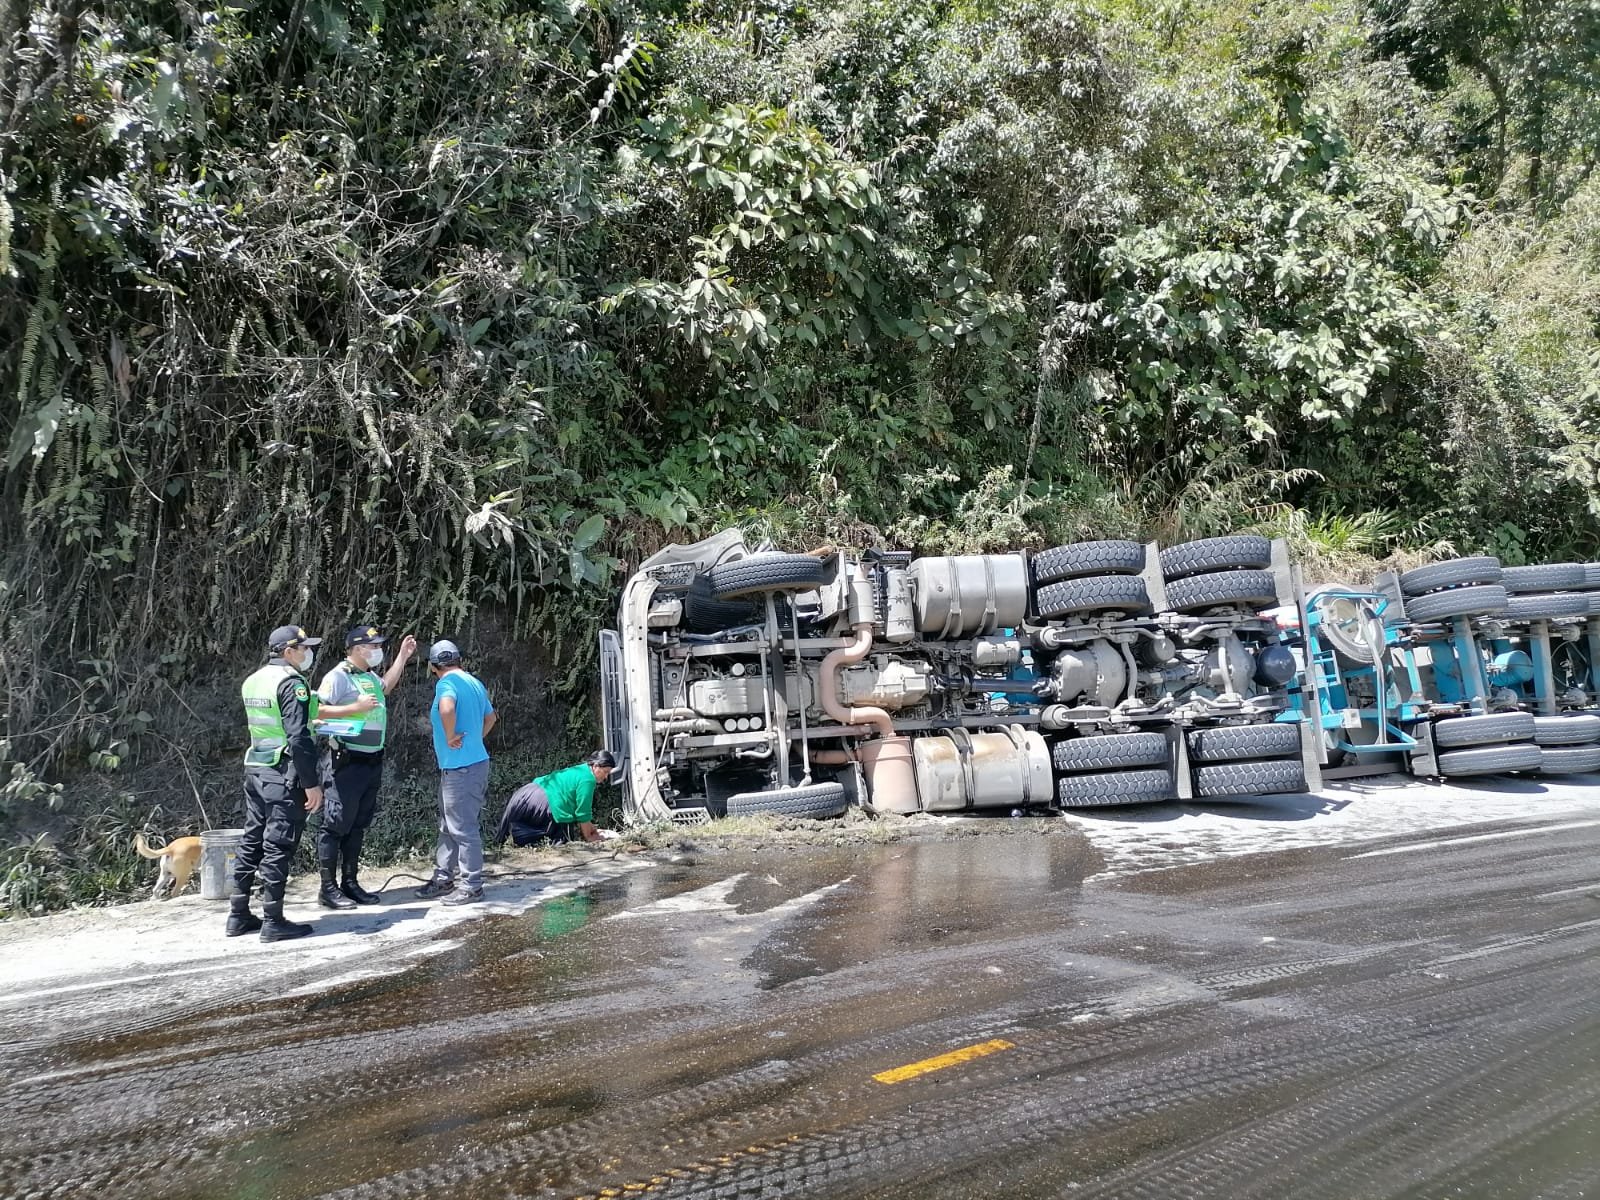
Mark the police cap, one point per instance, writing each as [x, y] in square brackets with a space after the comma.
[364, 635]
[291, 637]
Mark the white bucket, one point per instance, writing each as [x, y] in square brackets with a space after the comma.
[217, 850]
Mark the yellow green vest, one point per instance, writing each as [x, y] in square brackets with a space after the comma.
[374, 724]
[264, 718]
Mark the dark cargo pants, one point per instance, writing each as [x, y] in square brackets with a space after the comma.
[274, 818]
[349, 802]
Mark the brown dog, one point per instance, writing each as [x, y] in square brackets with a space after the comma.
[179, 858]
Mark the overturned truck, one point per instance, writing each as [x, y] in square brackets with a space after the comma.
[745, 680]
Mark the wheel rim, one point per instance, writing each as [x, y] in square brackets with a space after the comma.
[1352, 626]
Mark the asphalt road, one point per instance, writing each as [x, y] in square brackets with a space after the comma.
[1411, 1014]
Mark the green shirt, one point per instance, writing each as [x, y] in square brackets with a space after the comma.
[571, 793]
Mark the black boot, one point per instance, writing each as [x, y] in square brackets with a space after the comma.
[350, 887]
[240, 918]
[330, 896]
[276, 928]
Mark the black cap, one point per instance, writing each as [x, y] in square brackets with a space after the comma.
[291, 637]
[364, 635]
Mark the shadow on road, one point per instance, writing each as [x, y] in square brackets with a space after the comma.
[1297, 806]
[366, 920]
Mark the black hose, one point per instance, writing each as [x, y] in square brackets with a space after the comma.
[384, 886]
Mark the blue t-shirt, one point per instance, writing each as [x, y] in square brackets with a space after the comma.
[472, 706]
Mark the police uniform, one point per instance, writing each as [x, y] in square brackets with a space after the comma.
[280, 764]
[350, 793]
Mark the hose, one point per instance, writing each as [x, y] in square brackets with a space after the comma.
[511, 874]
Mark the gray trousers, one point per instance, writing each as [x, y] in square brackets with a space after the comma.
[461, 793]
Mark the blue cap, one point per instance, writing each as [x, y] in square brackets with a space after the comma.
[444, 654]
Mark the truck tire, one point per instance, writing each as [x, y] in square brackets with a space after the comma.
[1118, 593]
[1453, 572]
[1232, 743]
[1114, 787]
[1253, 589]
[815, 800]
[1245, 552]
[1547, 605]
[1086, 558]
[1110, 751]
[1489, 760]
[1268, 778]
[1474, 601]
[1591, 576]
[704, 613]
[1543, 577]
[768, 572]
[1570, 760]
[1572, 729]
[1490, 729]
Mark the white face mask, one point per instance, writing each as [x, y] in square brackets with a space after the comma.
[305, 664]
[374, 657]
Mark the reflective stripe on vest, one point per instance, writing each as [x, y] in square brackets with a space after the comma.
[264, 718]
[374, 723]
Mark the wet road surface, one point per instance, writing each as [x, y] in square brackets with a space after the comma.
[1414, 1016]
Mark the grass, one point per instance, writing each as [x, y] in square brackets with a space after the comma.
[90, 861]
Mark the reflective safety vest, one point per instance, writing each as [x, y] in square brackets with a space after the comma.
[374, 724]
[269, 741]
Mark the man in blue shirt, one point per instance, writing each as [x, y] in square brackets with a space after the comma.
[462, 717]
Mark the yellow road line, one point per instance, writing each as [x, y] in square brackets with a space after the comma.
[940, 1062]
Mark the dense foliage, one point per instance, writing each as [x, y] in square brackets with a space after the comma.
[426, 310]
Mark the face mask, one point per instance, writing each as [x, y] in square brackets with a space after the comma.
[305, 664]
[375, 658]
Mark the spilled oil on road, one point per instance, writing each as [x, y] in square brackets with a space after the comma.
[960, 1017]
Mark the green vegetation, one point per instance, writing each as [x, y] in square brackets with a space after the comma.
[440, 313]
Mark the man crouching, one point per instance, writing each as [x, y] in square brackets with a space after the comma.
[557, 806]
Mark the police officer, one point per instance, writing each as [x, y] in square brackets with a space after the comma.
[280, 782]
[354, 689]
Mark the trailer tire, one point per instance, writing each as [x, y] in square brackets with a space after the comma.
[1453, 572]
[1547, 605]
[1118, 593]
[1543, 577]
[1103, 789]
[815, 800]
[1110, 752]
[1570, 760]
[1475, 601]
[1489, 760]
[1241, 552]
[768, 572]
[1591, 576]
[1255, 589]
[1233, 743]
[1269, 778]
[1490, 729]
[1572, 729]
[1086, 558]
[704, 613]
